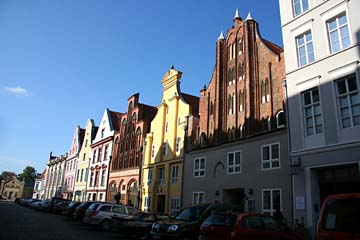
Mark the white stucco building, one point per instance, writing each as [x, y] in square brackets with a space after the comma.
[321, 44]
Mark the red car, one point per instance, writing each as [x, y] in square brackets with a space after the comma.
[245, 226]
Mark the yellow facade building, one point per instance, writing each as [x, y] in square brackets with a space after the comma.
[83, 162]
[164, 147]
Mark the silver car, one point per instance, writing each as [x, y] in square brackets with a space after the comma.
[100, 214]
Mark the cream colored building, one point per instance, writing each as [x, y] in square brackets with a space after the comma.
[83, 162]
[164, 149]
[11, 189]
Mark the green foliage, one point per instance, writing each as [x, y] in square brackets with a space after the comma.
[28, 174]
[5, 175]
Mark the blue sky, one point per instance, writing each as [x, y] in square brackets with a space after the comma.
[64, 61]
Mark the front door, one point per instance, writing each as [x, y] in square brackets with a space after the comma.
[161, 203]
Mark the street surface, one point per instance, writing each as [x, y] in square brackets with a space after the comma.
[19, 222]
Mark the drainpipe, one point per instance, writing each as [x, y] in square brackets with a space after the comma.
[183, 163]
[289, 145]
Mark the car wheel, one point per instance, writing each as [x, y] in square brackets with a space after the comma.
[105, 225]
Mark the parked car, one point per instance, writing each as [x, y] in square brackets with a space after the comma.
[60, 206]
[43, 205]
[70, 209]
[187, 224]
[232, 226]
[339, 217]
[100, 214]
[81, 210]
[137, 226]
[54, 201]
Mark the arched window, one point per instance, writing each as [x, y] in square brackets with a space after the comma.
[134, 116]
[131, 105]
[280, 119]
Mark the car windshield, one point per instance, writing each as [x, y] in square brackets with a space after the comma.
[93, 206]
[191, 213]
[342, 215]
[225, 220]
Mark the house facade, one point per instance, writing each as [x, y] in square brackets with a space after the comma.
[321, 43]
[12, 188]
[128, 151]
[37, 188]
[164, 147]
[55, 170]
[240, 155]
[71, 163]
[83, 163]
[101, 153]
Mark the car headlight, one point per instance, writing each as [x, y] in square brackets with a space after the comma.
[172, 228]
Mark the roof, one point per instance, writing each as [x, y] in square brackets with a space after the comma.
[272, 46]
[115, 120]
[193, 101]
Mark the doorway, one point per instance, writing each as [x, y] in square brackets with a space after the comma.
[161, 203]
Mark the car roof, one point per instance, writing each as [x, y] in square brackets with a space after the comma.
[341, 196]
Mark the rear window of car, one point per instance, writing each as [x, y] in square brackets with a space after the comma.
[105, 208]
[225, 220]
[93, 206]
[342, 215]
[252, 222]
[72, 204]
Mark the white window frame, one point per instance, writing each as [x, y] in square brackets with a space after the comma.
[313, 115]
[270, 161]
[234, 165]
[147, 203]
[272, 210]
[305, 45]
[337, 30]
[196, 197]
[301, 6]
[199, 172]
[174, 174]
[174, 206]
[347, 95]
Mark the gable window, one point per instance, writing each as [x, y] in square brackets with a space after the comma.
[270, 156]
[174, 174]
[234, 162]
[178, 140]
[312, 112]
[86, 142]
[348, 101]
[166, 127]
[102, 133]
[338, 33]
[199, 167]
[198, 197]
[271, 200]
[165, 147]
[300, 6]
[147, 203]
[305, 48]
[153, 151]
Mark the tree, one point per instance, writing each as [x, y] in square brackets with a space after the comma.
[5, 175]
[28, 174]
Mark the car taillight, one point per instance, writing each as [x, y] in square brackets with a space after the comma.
[93, 213]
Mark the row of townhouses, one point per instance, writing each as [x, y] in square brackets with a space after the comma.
[274, 128]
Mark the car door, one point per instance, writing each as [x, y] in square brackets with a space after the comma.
[250, 227]
[275, 230]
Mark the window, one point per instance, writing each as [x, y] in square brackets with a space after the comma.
[167, 109]
[106, 152]
[300, 6]
[161, 176]
[149, 177]
[349, 101]
[270, 156]
[174, 206]
[100, 198]
[271, 200]
[166, 127]
[241, 101]
[198, 197]
[86, 174]
[86, 142]
[178, 140]
[99, 154]
[82, 174]
[179, 121]
[147, 203]
[252, 222]
[91, 179]
[199, 167]
[102, 133]
[174, 174]
[153, 151]
[84, 156]
[241, 45]
[312, 112]
[305, 48]
[96, 180]
[77, 175]
[103, 177]
[234, 162]
[280, 119]
[250, 205]
[338, 31]
[94, 156]
[165, 147]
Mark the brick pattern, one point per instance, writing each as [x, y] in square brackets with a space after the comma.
[244, 63]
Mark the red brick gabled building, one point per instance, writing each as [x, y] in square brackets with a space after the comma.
[127, 150]
[245, 92]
